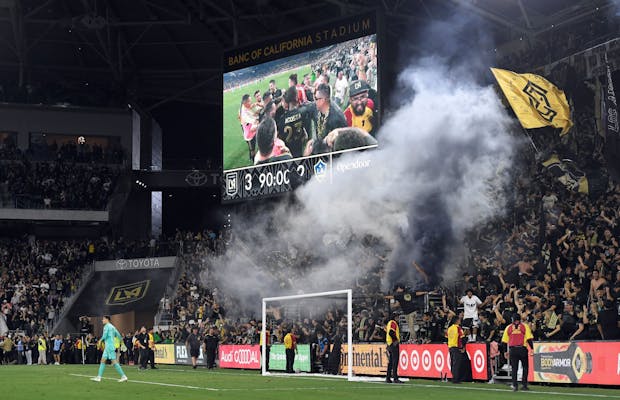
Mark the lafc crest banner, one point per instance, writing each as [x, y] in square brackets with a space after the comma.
[567, 173]
[593, 183]
[535, 100]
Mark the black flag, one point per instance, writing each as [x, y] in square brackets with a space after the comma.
[609, 115]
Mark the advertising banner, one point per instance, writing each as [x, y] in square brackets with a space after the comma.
[240, 356]
[277, 358]
[181, 356]
[595, 363]
[164, 354]
[368, 359]
[433, 360]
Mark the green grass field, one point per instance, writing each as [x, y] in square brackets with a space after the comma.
[235, 148]
[68, 382]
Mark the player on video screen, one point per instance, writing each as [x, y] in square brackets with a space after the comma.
[308, 87]
[291, 125]
[276, 94]
[248, 117]
[301, 91]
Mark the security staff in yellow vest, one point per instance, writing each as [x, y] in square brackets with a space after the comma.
[456, 347]
[42, 347]
[290, 346]
[152, 349]
[392, 339]
[518, 339]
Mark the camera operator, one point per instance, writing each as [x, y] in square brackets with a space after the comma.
[85, 326]
[85, 329]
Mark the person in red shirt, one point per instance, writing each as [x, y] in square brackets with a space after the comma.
[518, 337]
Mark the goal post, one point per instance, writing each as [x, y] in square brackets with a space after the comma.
[349, 297]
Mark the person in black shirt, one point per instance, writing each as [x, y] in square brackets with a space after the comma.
[426, 328]
[327, 117]
[608, 321]
[142, 340]
[127, 340]
[408, 301]
[67, 351]
[487, 332]
[571, 326]
[438, 326]
[211, 341]
[85, 326]
[291, 125]
[276, 93]
[193, 346]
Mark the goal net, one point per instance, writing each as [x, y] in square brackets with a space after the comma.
[317, 320]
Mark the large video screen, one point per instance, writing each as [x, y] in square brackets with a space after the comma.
[292, 104]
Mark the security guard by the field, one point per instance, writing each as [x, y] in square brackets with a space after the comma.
[518, 337]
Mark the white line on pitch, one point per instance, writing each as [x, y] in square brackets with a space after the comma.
[383, 385]
[154, 383]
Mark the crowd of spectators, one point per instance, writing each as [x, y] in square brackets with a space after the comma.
[38, 276]
[559, 42]
[59, 184]
[70, 176]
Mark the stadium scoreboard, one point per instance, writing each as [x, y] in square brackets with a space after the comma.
[255, 80]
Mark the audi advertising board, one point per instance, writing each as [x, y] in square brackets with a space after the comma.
[240, 356]
[433, 361]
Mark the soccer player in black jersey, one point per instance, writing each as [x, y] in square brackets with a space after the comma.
[291, 126]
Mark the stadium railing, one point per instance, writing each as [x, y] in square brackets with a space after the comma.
[87, 273]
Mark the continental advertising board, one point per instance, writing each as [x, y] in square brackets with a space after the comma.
[368, 359]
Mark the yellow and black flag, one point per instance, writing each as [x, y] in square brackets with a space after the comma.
[567, 173]
[535, 100]
[593, 183]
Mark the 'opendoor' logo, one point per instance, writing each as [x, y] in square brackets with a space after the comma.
[125, 294]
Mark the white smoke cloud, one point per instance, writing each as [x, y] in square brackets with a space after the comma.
[440, 170]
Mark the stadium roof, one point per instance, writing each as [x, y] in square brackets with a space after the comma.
[155, 51]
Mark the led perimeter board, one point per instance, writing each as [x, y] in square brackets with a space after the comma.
[292, 104]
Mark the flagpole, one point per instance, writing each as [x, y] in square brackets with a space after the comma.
[531, 141]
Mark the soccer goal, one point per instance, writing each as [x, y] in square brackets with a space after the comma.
[296, 309]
